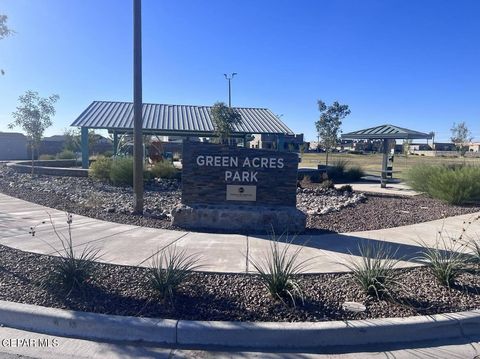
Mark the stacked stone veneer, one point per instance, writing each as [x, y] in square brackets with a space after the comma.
[204, 190]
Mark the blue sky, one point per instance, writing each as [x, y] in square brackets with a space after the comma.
[410, 63]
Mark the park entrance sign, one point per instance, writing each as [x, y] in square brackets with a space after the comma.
[240, 189]
[215, 174]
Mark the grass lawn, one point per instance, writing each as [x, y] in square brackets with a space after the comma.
[372, 163]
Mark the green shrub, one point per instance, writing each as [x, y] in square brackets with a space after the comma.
[278, 271]
[313, 178]
[346, 188]
[328, 184]
[353, 174]
[164, 169]
[121, 171]
[100, 169]
[453, 184]
[340, 171]
[46, 157]
[66, 155]
[169, 269]
[337, 169]
[108, 154]
[375, 271]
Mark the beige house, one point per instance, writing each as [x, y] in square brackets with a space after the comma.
[474, 147]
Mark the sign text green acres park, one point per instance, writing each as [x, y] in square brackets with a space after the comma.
[216, 174]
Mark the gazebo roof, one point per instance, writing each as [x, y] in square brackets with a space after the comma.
[385, 132]
[176, 119]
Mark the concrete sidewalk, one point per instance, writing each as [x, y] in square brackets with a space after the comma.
[133, 245]
[392, 189]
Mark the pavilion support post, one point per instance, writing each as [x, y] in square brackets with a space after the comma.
[84, 135]
[383, 180]
[115, 143]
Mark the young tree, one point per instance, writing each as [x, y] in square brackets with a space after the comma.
[224, 119]
[34, 116]
[5, 31]
[461, 135]
[328, 126]
[72, 140]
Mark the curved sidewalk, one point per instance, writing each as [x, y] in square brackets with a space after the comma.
[134, 245]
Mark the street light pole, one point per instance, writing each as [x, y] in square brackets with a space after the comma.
[229, 78]
[137, 109]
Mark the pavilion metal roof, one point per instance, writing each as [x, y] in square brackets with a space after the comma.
[385, 132]
[175, 119]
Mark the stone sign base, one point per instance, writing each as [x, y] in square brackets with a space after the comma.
[245, 219]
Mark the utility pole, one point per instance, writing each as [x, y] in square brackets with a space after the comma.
[137, 109]
[229, 79]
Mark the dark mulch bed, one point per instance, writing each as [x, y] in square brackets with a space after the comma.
[124, 290]
[380, 211]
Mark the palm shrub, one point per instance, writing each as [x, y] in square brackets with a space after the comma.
[100, 169]
[279, 269]
[71, 269]
[452, 184]
[164, 169]
[169, 270]
[375, 271]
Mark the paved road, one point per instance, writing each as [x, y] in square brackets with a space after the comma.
[133, 245]
[54, 347]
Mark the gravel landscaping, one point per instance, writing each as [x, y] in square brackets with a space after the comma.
[326, 209]
[123, 290]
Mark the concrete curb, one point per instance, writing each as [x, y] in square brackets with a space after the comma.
[86, 325]
[259, 335]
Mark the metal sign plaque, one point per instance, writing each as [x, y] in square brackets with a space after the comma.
[241, 193]
[218, 174]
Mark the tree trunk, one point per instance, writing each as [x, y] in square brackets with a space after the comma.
[326, 157]
[33, 156]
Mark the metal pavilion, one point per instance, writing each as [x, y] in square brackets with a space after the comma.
[386, 133]
[171, 120]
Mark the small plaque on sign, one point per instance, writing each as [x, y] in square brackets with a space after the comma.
[241, 193]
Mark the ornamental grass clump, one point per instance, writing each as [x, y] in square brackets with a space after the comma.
[164, 169]
[66, 155]
[121, 172]
[375, 272]
[279, 269]
[169, 269]
[100, 169]
[456, 184]
[447, 260]
[71, 269]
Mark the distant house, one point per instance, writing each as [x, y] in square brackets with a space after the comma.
[474, 147]
[346, 145]
[56, 144]
[52, 145]
[285, 142]
[13, 146]
[368, 145]
[444, 146]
